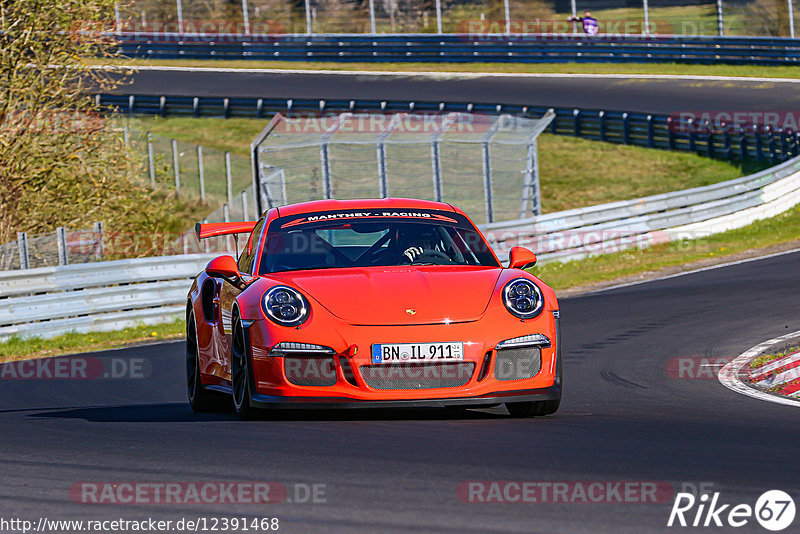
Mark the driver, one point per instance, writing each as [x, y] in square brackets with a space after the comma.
[415, 240]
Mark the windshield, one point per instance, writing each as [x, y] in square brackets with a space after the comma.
[376, 238]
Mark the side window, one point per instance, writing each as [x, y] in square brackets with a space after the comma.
[249, 251]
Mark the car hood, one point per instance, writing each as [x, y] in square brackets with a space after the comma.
[400, 295]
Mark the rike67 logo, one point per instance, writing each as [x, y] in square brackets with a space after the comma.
[774, 510]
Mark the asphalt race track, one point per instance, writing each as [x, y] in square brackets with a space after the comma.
[624, 418]
[623, 94]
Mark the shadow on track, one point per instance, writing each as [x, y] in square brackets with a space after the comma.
[180, 413]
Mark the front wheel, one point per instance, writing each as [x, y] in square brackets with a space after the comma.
[532, 409]
[240, 372]
[536, 408]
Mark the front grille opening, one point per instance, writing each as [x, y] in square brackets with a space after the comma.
[487, 360]
[518, 363]
[309, 370]
[347, 371]
[417, 375]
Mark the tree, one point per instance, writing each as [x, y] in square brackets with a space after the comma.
[61, 161]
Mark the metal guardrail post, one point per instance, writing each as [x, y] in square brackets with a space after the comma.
[602, 119]
[671, 133]
[308, 17]
[436, 165]
[773, 156]
[721, 20]
[22, 245]
[727, 144]
[179, 7]
[228, 179]
[245, 17]
[383, 181]
[576, 118]
[176, 166]
[710, 143]
[151, 160]
[487, 181]
[61, 239]
[99, 245]
[201, 174]
[372, 29]
[226, 217]
[531, 195]
[759, 146]
[784, 145]
[326, 171]
[439, 16]
[742, 144]
[626, 128]
[125, 136]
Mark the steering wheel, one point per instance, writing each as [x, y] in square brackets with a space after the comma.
[428, 255]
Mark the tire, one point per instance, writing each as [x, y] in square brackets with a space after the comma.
[200, 399]
[537, 408]
[533, 409]
[240, 372]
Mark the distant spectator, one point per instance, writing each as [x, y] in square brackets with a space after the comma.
[590, 26]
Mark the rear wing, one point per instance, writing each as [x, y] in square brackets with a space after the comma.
[206, 230]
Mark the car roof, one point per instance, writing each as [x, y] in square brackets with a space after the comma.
[363, 203]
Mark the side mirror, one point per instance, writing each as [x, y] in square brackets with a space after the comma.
[224, 267]
[521, 258]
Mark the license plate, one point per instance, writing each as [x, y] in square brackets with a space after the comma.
[417, 352]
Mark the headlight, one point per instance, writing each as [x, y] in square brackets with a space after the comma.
[285, 306]
[523, 298]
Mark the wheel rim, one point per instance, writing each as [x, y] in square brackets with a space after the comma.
[191, 358]
[238, 365]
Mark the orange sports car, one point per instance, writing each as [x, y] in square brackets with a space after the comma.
[370, 303]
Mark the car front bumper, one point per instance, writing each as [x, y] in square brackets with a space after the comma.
[526, 395]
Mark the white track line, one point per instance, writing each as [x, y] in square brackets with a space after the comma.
[676, 275]
[434, 74]
[729, 375]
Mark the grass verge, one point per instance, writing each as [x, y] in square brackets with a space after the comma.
[764, 359]
[22, 349]
[756, 71]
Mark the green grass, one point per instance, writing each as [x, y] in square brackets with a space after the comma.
[574, 172]
[764, 359]
[758, 71]
[33, 347]
[784, 228]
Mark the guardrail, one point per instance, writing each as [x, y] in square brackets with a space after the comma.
[689, 214]
[516, 48]
[49, 301]
[110, 295]
[642, 129]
